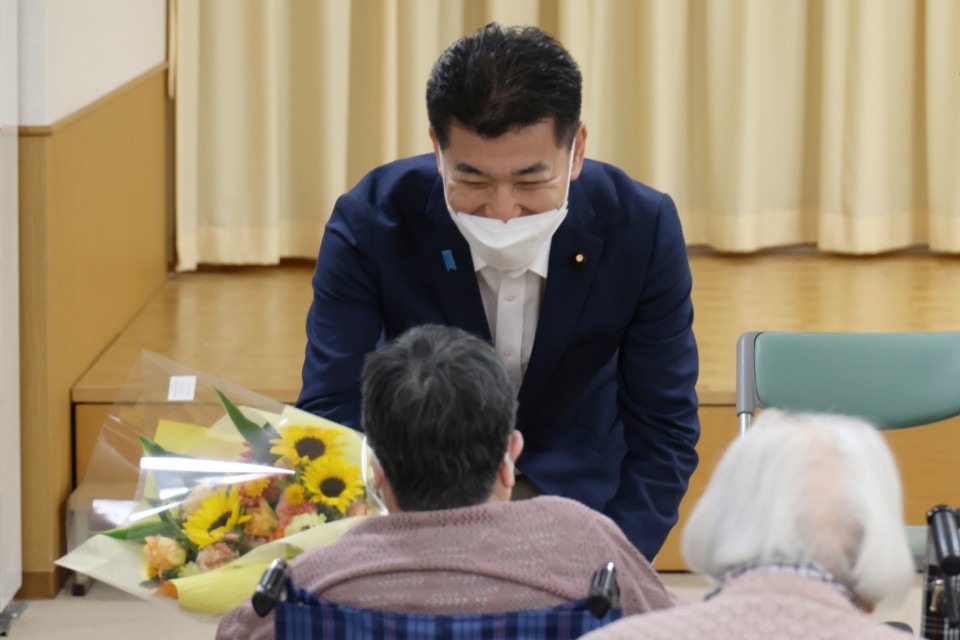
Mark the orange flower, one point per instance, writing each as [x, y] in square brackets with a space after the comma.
[163, 554]
[263, 520]
[286, 511]
[215, 555]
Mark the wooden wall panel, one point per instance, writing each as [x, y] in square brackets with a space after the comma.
[93, 218]
[88, 419]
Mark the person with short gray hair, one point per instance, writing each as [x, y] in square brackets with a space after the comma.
[439, 410]
[801, 527]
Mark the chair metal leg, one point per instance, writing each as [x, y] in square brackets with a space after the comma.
[745, 419]
[81, 584]
[13, 611]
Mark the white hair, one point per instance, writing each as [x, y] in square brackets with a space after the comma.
[806, 487]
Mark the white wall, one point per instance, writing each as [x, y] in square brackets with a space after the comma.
[10, 560]
[73, 52]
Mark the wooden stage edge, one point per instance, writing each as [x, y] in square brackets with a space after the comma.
[193, 320]
[41, 584]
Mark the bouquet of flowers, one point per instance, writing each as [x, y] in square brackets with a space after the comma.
[217, 500]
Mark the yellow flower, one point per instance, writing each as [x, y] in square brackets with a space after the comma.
[303, 522]
[215, 518]
[333, 481]
[294, 493]
[255, 488]
[300, 445]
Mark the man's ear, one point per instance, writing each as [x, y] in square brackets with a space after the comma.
[378, 478]
[381, 486]
[579, 151]
[514, 447]
[436, 150]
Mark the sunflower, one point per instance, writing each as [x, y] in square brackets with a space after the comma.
[300, 445]
[333, 481]
[215, 518]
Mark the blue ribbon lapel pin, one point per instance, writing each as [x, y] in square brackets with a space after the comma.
[448, 260]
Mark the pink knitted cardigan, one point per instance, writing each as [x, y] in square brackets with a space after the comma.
[758, 606]
[499, 556]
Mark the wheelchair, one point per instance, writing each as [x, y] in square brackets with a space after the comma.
[940, 616]
[302, 615]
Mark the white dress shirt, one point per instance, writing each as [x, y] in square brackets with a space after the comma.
[512, 304]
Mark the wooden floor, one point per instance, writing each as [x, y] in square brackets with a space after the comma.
[247, 325]
[812, 292]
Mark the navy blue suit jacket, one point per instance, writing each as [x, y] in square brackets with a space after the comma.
[607, 406]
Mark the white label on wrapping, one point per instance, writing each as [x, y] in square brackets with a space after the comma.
[182, 388]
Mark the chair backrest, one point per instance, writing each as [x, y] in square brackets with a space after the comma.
[894, 380]
[303, 616]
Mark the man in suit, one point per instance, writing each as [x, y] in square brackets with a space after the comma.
[576, 273]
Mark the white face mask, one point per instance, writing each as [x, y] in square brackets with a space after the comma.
[513, 245]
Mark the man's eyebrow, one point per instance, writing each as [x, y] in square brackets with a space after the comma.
[534, 168]
[537, 167]
[463, 167]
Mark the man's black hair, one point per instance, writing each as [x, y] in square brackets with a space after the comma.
[502, 79]
[438, 409]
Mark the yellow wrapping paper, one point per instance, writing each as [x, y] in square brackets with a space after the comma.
[222, 589]
[120, 562]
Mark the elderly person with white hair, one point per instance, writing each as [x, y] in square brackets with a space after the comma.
[801, 528]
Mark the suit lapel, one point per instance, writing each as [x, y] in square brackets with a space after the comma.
[568, 283]
[452, 275]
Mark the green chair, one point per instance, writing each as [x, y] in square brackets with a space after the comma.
[893, 380]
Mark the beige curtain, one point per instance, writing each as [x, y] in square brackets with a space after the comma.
[834, 122]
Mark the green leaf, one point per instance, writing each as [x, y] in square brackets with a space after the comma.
[257, 436]
[271, 431]
[152, 449]
[140, 530]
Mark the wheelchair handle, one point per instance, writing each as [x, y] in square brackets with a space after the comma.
[604, 591]
[270, 589]
[946, 541]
